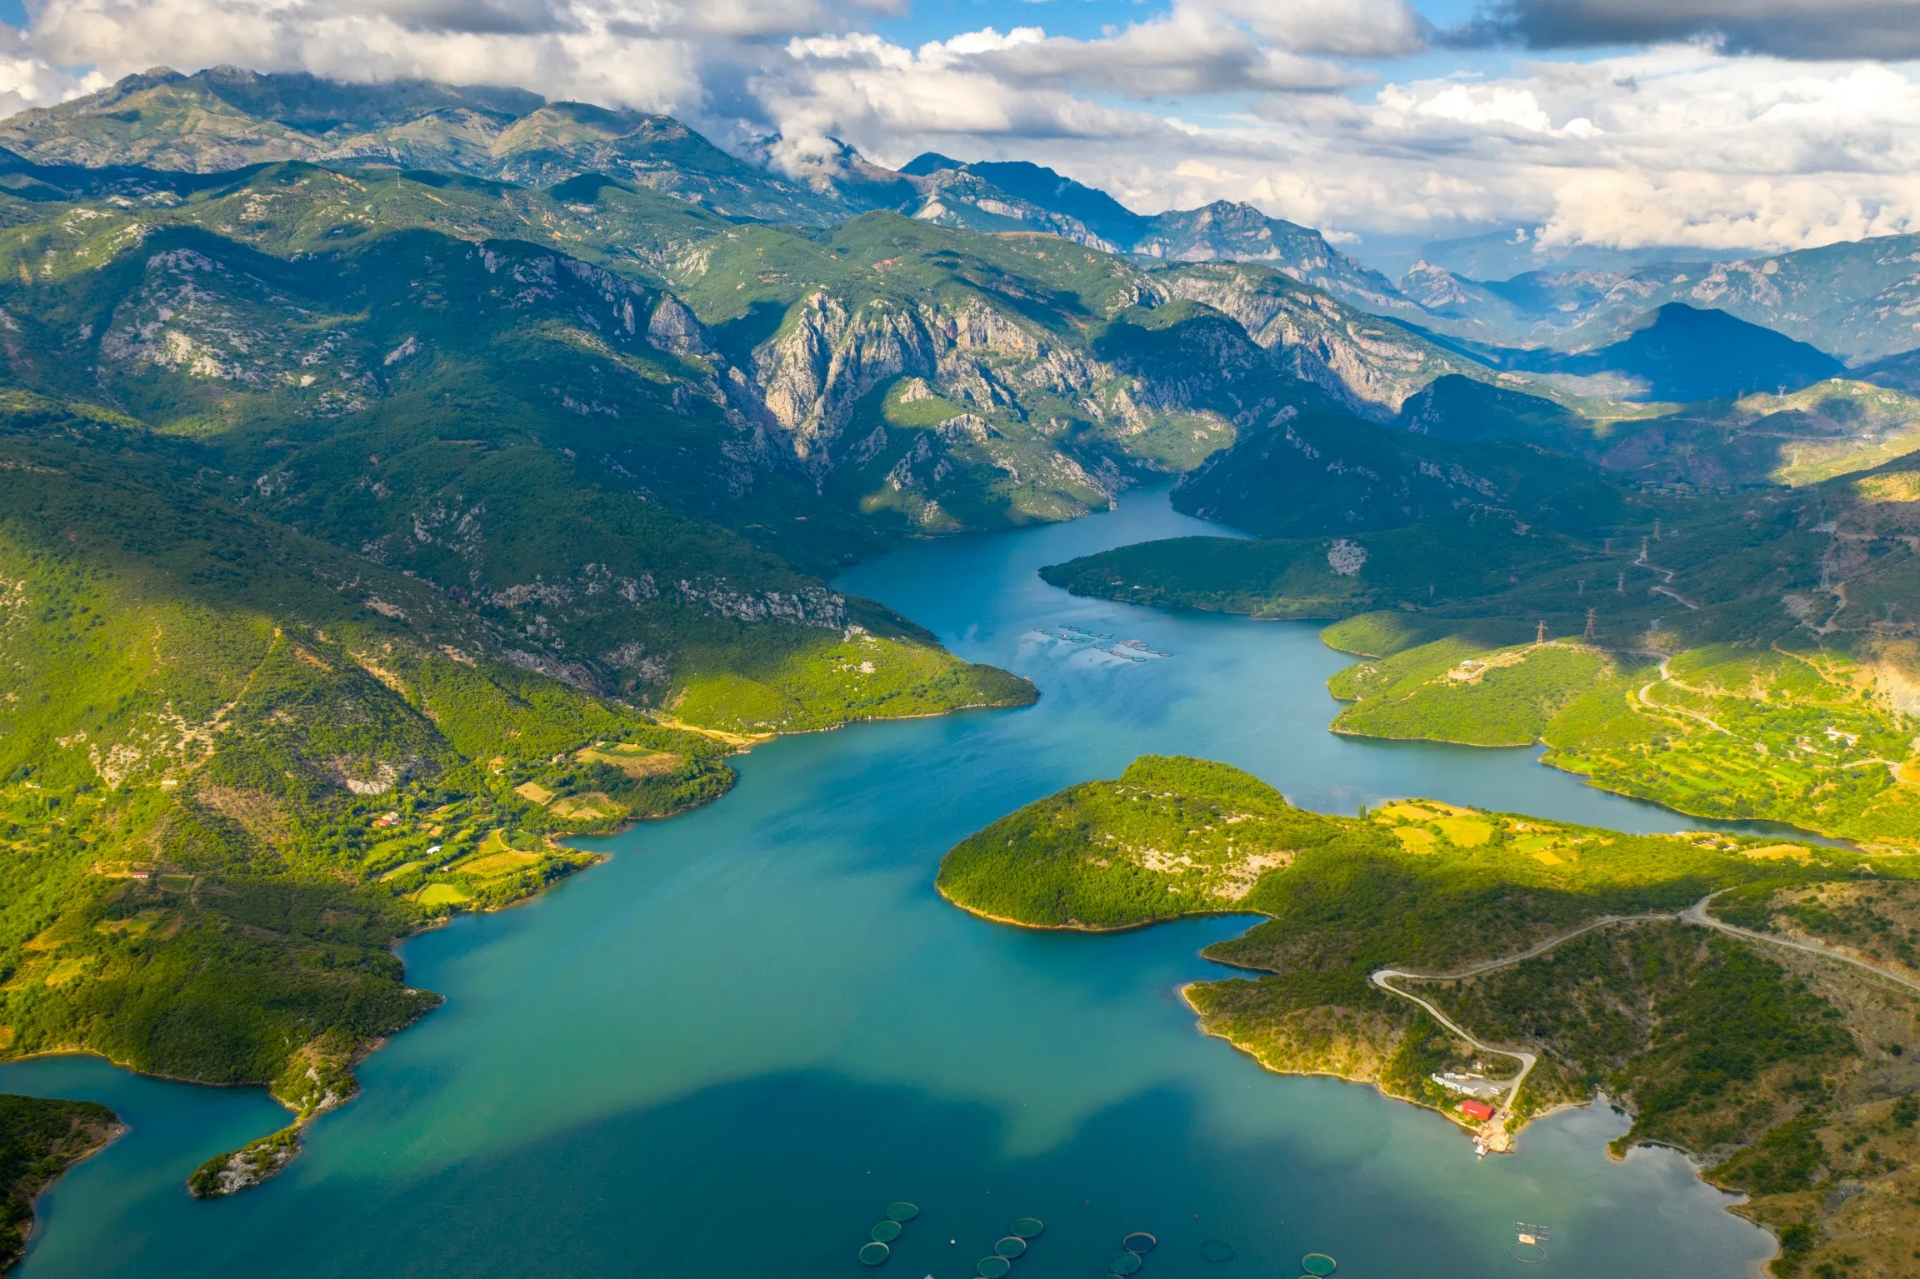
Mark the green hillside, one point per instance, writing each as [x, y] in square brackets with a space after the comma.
[1765, 1062]
[1739, 656]
[240, 763]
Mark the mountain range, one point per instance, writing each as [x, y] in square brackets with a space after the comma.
[1852, 300]
[400, 476]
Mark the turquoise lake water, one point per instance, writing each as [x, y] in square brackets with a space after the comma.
[726, 1050]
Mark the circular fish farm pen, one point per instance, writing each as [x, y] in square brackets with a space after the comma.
[993, 1267]
[886, 1232]
[874, 1254]
[1125, 1264]
[902, 1211]
[1027, 1228]
[1139, 1243]
[1531, 1253]
[1217, 1250]
[1010, 1247]
[1318, 1263]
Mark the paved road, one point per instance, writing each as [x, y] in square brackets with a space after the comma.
[1665, 675]
[1695, 914]
[1527, 1060]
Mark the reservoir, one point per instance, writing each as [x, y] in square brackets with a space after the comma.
[728, 1049]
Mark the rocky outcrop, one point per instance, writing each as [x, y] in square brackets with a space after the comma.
[809, 606]
[1367, 363]
[829, 356]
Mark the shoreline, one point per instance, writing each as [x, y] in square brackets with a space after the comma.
[1093, 929]
[743, 743]
[301, 1119]
[1586, 779]
[1695, 1162]
[1200, 1025]
[115, 1131]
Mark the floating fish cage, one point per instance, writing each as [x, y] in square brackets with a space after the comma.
[1529, 1243]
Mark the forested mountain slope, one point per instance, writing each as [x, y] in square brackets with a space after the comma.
[1742, 655]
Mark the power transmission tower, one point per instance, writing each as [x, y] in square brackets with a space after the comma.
[1589, 633]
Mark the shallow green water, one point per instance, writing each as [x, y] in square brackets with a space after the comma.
[724, 1052]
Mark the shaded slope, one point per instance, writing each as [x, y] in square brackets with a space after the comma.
[1682, 354]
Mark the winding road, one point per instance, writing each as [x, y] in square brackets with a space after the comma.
[1695, 914]
[1666, 675]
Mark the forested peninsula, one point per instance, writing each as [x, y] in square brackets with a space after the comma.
[1750, 1001]
[240, 764]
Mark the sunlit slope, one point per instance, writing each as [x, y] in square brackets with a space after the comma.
[222, 742]
[1740, 656]
[1773, 1065]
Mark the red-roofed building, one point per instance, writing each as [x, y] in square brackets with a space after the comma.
[1476, 1109]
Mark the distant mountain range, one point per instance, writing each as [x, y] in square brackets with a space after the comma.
[1518, 250]
[226, 118]
[1858, 301]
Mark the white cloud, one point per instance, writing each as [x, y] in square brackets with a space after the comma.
[1349, 28]
[1189, 51]
[1678, 144]
[640, 53]
[1494, 104]
[29, 80]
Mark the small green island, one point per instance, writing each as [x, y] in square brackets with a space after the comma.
[1750, 1001]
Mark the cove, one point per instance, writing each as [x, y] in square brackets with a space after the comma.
[727, 1049]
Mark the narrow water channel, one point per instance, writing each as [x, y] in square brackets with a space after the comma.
[724, 1052]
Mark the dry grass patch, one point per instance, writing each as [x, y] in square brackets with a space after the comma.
[1466, 832]
[1773, 852]
[636, 762]
[1415, 839]
[591, 806]
[493, 865]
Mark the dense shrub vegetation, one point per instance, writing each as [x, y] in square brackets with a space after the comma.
[1716, 1044]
